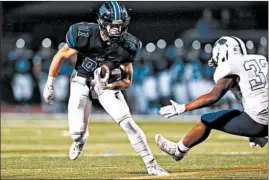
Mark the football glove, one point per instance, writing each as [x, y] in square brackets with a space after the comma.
[48, 92]
[100, 83]
[172, 110]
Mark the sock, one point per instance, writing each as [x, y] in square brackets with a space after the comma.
[138, 140]
[181, 148]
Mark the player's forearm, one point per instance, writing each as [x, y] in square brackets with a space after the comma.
[202, 101]
[64, 53]
[55, 65]
[219, 90]
[126, 82]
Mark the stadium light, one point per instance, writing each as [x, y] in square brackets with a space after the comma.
[150, 47]
[208, 48]
[250, 44]
[196, 44]
[20, 43]
[179, 43]
[161, 44]
[46, 43]
[263, 41]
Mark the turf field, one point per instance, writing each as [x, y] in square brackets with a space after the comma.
[32, 149]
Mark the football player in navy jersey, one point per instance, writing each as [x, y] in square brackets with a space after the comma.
[94, 44]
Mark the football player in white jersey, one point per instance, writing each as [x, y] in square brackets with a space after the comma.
[246, 76]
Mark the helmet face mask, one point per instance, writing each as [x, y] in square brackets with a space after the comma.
[113, 20]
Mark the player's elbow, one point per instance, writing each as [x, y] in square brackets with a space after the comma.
[128, 83]
[66, 52]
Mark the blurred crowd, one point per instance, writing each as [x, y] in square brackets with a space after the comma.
[179, 72]
[161, 72]
[175, 70]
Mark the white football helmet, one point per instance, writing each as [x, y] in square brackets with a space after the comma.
[225, 48]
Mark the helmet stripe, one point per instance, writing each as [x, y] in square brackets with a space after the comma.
[116, 8]
[239, 43]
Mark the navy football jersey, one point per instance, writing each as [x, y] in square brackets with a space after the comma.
[93, 51]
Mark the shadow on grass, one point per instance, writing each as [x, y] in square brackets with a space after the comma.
[139, 172]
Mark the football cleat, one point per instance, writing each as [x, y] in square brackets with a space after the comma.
[169, 147]
[157, 170]
[258, 141]
[77, 147]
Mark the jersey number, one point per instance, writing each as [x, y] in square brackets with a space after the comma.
[89, 64]
[260, 80]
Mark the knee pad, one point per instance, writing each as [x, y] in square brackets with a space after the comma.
[134, 133]
[129, 126]
[211, 119]
[219, 118]
[208, 118]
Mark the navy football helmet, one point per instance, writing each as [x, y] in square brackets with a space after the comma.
[113, 20]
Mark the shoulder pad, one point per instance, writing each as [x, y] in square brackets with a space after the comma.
[132, 45]
[224, 70]
[131, 42]
[78, 34]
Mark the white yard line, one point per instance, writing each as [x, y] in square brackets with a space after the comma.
[129, 154]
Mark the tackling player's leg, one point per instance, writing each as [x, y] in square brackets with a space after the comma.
[116, 106]
[229, 121]
[79, 107]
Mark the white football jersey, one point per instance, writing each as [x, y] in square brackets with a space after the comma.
[252, 89]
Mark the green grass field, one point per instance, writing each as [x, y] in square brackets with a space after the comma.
[32, 149]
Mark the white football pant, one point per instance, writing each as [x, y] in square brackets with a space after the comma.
[79, 106]
[113, 102]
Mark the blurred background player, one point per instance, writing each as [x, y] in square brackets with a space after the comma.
[246, 76]
[23, 82]
[95, 44]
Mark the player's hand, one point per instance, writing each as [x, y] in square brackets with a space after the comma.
[211, 63]
[172, 110]
[49, 90]
[48, 94]
[100, 83]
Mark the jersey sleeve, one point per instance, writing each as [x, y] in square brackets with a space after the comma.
[223, 70]
[136, 52]
[77, 37]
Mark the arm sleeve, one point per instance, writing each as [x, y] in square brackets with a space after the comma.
[138, 50]
[76, 38]
[71, 37]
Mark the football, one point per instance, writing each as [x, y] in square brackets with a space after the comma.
[115, 72]
[107, 66]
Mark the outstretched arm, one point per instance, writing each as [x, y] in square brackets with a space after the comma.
[219, 90]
